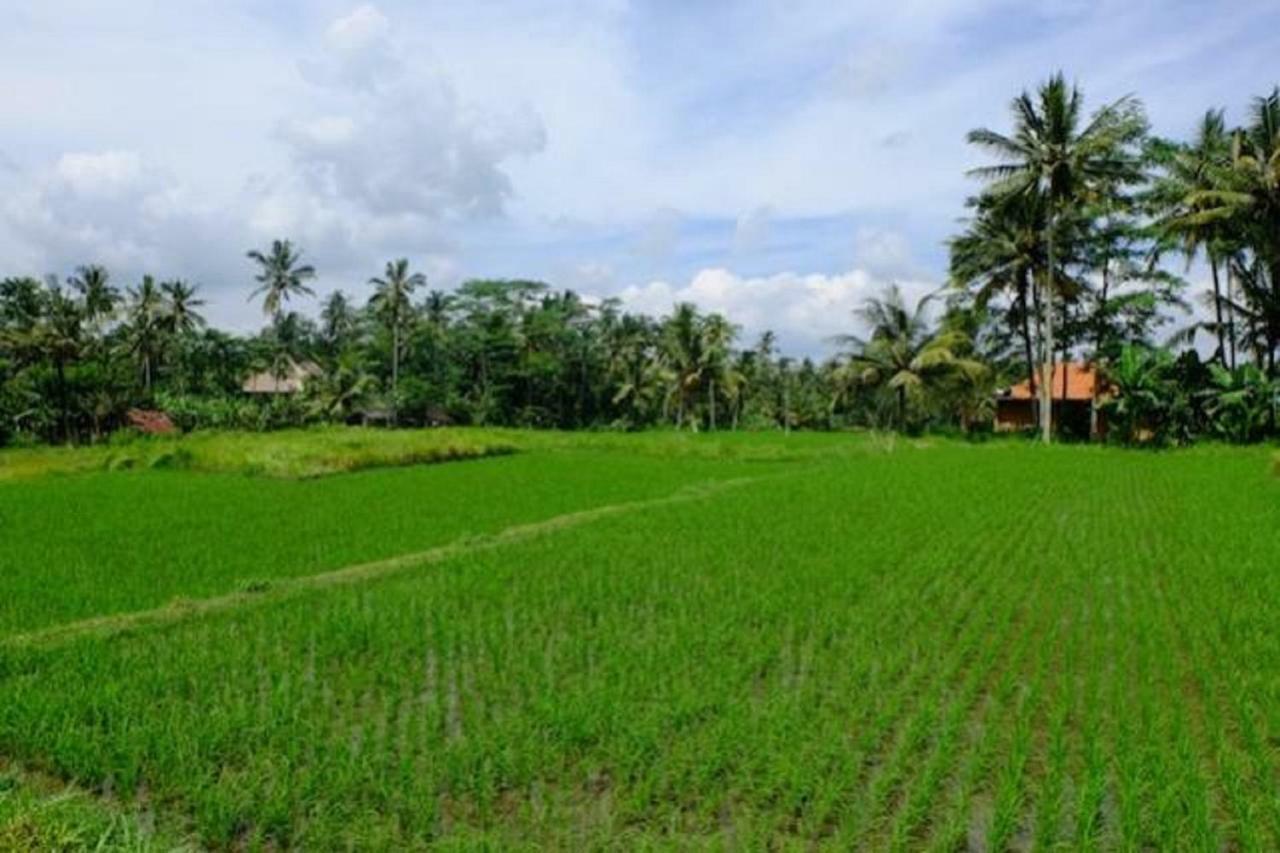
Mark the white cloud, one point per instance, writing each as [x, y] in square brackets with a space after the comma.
[109, 207]
[409, 146]
[359, 52]
[804, 310]
[884, 252]
[365, 27]
[378, 155]
[102, 173]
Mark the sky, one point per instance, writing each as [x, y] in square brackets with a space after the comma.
[778, 162]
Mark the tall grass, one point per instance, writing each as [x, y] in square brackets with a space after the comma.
[295, 453]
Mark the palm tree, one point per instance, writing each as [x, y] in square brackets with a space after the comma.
[1190, 171]
[180, 315]
[337, 323]
[1001, 252]
[280, 276]
[180, 321]
[1245, 197]
[98, 299]
[633, 370]
[1051, 155]
[717, 337]
[683, 354]
[391, 301]
[58, 336]
[903, 355]
[145, 313]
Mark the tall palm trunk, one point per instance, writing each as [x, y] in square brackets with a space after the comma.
[395, 371]
[711, 402]
[1097, 345]
[1027, 348]
[1217, 310]
[1066, 355]
[1231, 312]
[786, 405]
[1027, 351]
[1046, 387]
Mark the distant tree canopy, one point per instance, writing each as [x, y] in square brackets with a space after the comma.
[1072, 249]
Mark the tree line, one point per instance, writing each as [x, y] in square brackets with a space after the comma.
[1075, 246]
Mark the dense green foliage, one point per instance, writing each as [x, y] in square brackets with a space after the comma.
[936, 645]
[1068, 243]
[1070, 252]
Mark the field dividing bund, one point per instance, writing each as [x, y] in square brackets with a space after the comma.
[78, 547]
[270, 592]
[944, 648]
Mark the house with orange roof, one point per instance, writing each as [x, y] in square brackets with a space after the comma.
[1077, 391]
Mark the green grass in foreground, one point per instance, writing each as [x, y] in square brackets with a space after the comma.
[40, 814]
[288, 453]
[1000, 646]
[321, 451]
[76, 547]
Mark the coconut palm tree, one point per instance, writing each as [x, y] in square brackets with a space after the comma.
[632, 368]
[337, 323]
[903, 355]
[1190, 170]
[1001, 253]
[145, 318]
[98, 299]
[683, 346]
[1052, 153]
[180, 315]
[1245, 197]
[391, 302]
[59, 337]
[717, 337]
[280, 276]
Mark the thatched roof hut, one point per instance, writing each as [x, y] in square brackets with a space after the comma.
[288, 381]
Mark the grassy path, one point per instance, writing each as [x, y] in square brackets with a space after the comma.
[277, 590]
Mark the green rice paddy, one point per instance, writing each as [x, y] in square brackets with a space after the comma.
[706, 642]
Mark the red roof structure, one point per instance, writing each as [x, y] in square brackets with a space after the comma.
[150, 422]
[1081, 382]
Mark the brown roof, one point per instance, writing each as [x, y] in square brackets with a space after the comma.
[149, 421]
[1081, 382]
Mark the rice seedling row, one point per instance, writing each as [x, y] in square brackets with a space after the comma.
[947, 648]
[78, 547]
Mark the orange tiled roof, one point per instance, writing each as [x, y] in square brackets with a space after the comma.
[1081, 380]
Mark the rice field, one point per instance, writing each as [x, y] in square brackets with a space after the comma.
[845, 644]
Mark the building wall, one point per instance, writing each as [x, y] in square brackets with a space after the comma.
[1071, 416]
[1015, 415]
